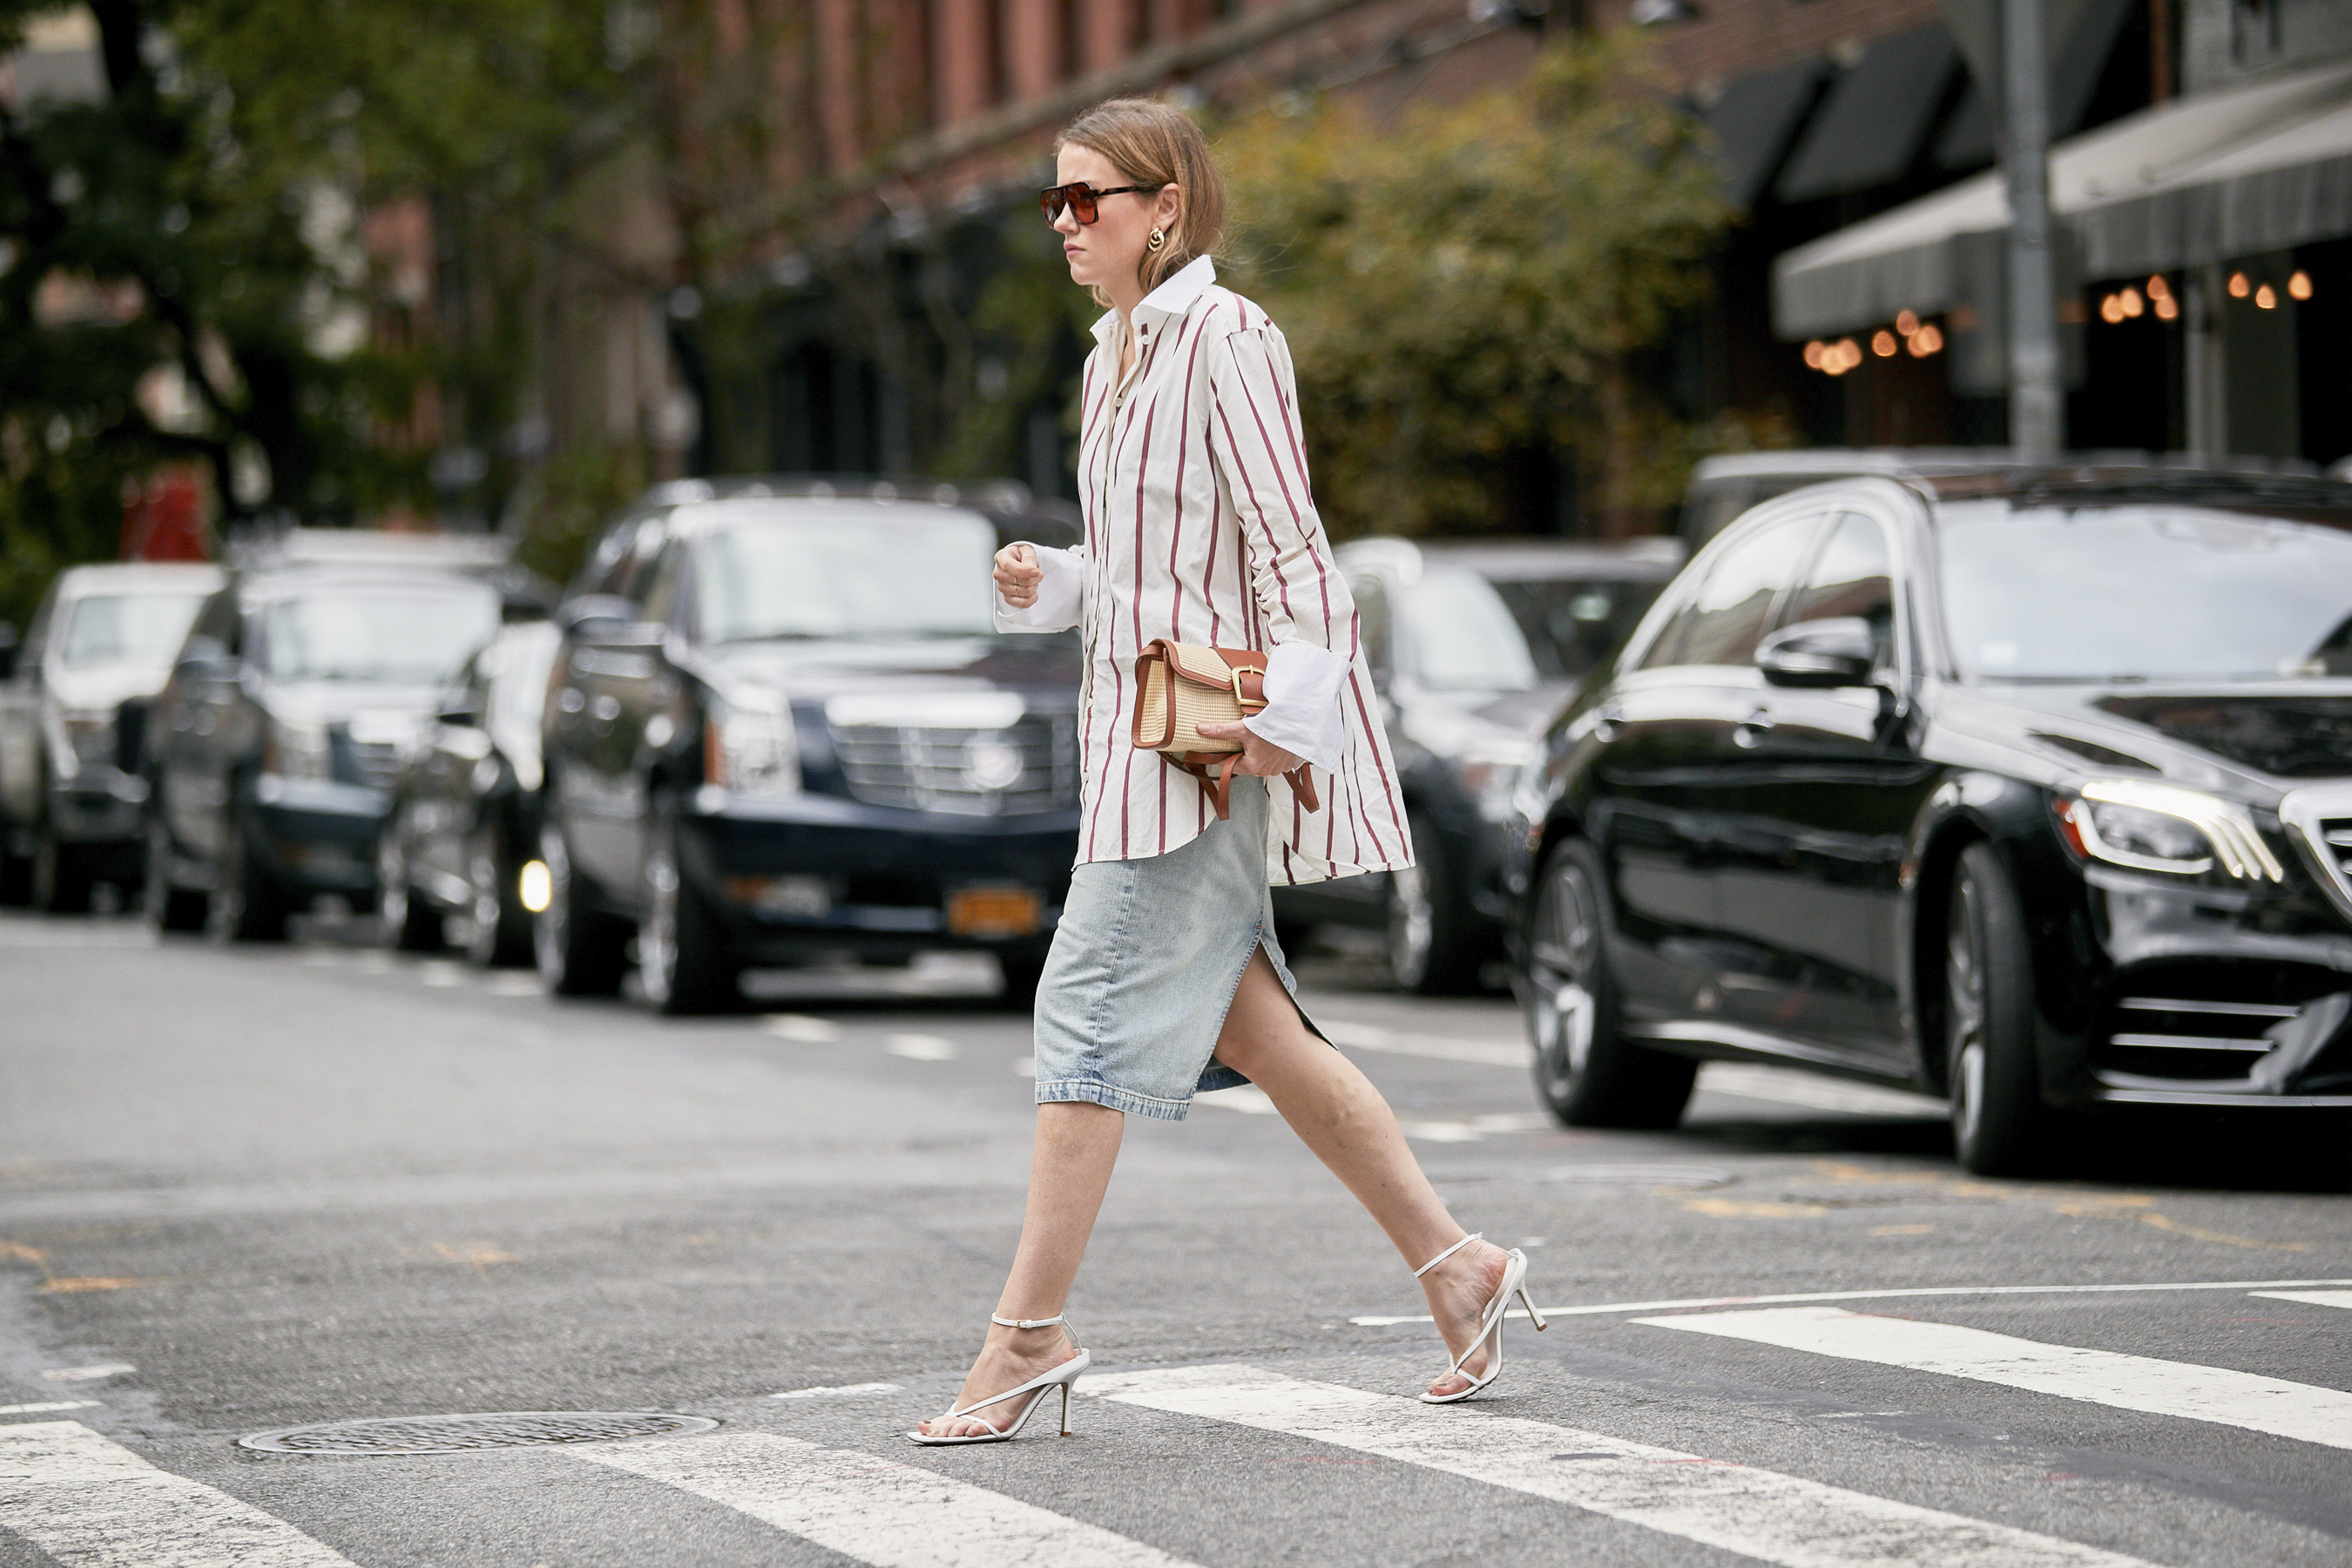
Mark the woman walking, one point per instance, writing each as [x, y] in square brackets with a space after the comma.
[1165, 979]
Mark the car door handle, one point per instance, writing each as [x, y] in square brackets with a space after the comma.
[1749, 734]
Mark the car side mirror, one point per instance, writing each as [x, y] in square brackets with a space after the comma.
[609, 619]
[1823, 654]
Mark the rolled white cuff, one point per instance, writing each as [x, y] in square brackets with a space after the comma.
[1058, 595]
[1302, 713]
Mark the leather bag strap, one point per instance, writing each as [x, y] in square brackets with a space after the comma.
[1216, 775]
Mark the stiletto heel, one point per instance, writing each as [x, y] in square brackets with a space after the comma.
[1065, 1375]
[1490, 1320]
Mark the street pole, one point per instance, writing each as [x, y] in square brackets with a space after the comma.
[2037, 412]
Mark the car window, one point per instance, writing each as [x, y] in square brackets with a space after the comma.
[1721, 622]
[138, 631]
[1853, 575]
[1572, 623]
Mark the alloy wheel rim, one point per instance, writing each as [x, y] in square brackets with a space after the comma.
[1563, 955]
[657, 943]
[1965, 1001]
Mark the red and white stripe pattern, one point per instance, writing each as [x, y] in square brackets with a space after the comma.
[1201, 528]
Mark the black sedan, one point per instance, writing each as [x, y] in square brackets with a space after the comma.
[463, 836]
[2030, 789]
[783, 726]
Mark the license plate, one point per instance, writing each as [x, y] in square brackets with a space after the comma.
[994, 911]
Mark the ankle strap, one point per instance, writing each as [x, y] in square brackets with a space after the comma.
[1025, 1322]
[1473, 1236]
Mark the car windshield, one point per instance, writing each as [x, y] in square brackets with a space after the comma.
[1571, 623]
[139, 630]
[402, 638]
[2144, 592]
[1459, 635]
[865, 577]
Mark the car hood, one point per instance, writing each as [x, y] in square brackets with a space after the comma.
[1448, 722]
[373, 710]
[806, 671]
[105, 687]
[2274, 735]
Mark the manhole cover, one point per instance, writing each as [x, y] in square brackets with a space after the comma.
[461, 1434]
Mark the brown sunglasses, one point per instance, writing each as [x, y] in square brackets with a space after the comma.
[1081, 199]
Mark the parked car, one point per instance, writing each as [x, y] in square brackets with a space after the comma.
[1722, 488]
[783, 725]
[273, 747]
[463, 832]
[2033, 790]
[97, 649]
[1473, 648]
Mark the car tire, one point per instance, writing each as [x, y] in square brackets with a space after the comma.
[405, 922]
[685, 962]
[1022, 970]
[170, 907]
[1588, 1073]
[1998, 1120]
[61, 881]
[501, 935]
[247, 903]
[580, 950]
[1431, 946]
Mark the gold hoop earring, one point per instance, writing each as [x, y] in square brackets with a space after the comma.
[1157, 239]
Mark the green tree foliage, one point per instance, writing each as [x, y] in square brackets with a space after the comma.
[1478, 279]
[183, 272]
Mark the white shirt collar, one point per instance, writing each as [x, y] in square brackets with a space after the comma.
[1176, 295]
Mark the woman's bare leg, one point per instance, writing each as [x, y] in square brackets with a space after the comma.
[1334, 1108]
[1069, 1170]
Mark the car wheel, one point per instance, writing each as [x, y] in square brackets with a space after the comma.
[1022, 970]
[170, 907]
[1996, 1092]
[61, 878]
[1588, 1073]
[501, 935]
[1431, 947]
[684, 960]
[404, 922]
[247, 903]
[579, 949]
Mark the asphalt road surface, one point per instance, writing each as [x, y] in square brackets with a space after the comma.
[244, 1190]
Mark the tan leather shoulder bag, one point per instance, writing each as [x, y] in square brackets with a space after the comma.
[1180, 687]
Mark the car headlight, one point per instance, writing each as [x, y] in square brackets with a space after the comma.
[747, 752]
[85, 738]
[2163, 827]
[293, 750]
[1489, 769]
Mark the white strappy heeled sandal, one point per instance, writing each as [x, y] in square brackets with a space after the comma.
[1065, 1376]
[1490, 1320]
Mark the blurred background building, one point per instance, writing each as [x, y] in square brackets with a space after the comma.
[641, 240]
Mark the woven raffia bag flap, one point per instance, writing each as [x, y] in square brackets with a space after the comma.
[1180, 687]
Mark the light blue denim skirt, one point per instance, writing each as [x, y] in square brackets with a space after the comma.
[1145, 962]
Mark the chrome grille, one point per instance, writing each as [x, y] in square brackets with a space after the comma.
[955, 768]
[2320, 816]
[2177, 1037]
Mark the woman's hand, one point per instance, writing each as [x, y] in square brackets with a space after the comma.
[1018, 574]
[1260, 757]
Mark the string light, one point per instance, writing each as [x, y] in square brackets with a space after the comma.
[2266, 298]
[2167, 308]
[1926, 341]
[2132, 303]
[1813, 354]
[2239, 287]
[1882, 343]
[2158, 289]
[1908, 323]
[2299, 286]
[2111, 308]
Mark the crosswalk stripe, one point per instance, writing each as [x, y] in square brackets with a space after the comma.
[89, 1502]
[872, 1508]
[1756, 1512]
[2100, 1377]
[2309, 1297]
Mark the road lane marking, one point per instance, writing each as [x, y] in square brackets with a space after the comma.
[875, 1510]
[2311, 1297]
[801, 1028]
[90, 1502]
[2257, 1403]
[1692, 1303]
[921, 1048]
[47, 1405]
[1759, 1513]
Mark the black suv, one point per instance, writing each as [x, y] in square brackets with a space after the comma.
[271, 749]
[783, 725]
